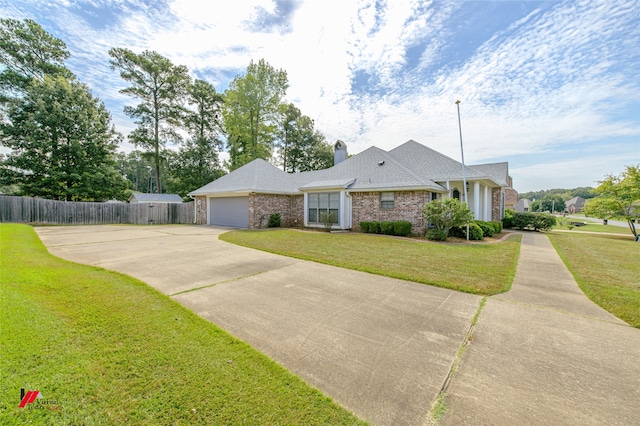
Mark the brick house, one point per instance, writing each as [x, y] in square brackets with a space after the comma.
[374, 185]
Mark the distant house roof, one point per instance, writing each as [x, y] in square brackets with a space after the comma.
[577, 202]
[411, 166]
[154, 198]
[523, 205]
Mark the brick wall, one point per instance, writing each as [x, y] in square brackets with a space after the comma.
[496, 204]
[408, 206]
[290, 207]
[201, 210]
[510, 198]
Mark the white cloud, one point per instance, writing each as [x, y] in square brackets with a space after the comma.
[561, 75]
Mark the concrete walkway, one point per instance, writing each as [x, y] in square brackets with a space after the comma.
[544, 354]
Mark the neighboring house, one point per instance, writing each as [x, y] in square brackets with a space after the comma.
[510, 197]
[138, 197]
[575, 205]
[523, 205]
[374, 185]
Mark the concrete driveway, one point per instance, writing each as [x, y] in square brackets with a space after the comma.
[541, 353]
[380, 347]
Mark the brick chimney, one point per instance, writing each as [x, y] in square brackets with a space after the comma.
[339, 152]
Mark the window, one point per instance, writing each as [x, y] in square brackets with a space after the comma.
[323, 202]
[434, 196]
[456, 194]
[386, 200]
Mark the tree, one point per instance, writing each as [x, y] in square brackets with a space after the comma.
[619, 197]
[63, 143]
[161, 88]
[252, 111]
[28, 52]
[549, 203]
[445, 214]
[197, 163]
[302, 148]
[137, 168]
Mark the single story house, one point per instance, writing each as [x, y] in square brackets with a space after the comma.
[575, 205]
[374, 185]
[139, 197]
[523, 205]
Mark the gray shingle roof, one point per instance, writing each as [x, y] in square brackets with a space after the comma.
[409, 166]
[156, 198]
[498, 172]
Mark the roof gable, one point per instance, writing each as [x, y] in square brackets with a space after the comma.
[435, 165]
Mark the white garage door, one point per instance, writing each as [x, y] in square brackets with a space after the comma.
[230, 211]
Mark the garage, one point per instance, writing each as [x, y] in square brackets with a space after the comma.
[229, 211]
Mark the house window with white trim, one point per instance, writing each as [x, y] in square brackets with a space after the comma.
[386, 200]
[323, 202]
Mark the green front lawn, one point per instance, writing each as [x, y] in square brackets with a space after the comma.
[474, 268]
[594, 227]
[104, 348]
[607, 269]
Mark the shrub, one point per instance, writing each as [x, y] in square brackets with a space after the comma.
[507, 221]
[436, 235]
[534, 221]
[374, 227]
[364, 227]
[402, 228]
[487, 228]
[475, 232]
[386, 228]
[274, 220]
[445, 214]
[328, 219]
[497, 226]
[458, 232]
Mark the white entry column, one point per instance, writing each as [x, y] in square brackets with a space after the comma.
[476, 200]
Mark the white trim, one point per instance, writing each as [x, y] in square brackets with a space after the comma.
[476, 200]
[487, 204]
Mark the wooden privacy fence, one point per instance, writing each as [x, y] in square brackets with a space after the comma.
[38, 210]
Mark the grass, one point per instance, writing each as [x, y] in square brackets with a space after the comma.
[595, 227]
[606, 269]
[484, 269]
[105, 348]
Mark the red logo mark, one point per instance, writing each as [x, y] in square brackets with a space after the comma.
[28, 398]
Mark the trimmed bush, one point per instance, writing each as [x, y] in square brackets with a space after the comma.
[274, 220]
[387, 228]
[532, 221]
[458, 232]
[507, 221]
[475, 232]
[374, 228]
[436, 235]
[497, 226]
[402, 228]
[487, 228]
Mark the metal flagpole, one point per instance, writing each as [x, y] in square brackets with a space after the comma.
[464, 172]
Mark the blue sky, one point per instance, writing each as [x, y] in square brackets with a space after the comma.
[552, 87]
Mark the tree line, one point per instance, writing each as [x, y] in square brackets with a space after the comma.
[554, 200]
[64, 145]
